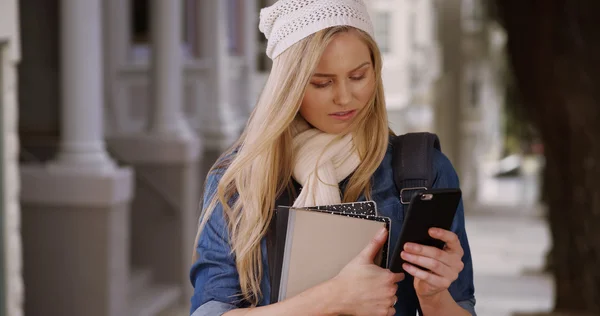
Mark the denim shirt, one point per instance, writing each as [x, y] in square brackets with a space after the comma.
[216, 280]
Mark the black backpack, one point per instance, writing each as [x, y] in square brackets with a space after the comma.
[412, 161]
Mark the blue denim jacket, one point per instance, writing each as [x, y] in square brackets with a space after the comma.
[216, 280]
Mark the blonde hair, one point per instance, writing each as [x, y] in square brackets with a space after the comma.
[261, 169]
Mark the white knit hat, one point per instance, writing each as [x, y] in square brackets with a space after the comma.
[288, 21]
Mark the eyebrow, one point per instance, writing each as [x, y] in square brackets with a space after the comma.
[333, 76]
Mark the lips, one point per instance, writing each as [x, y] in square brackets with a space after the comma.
[344, 115]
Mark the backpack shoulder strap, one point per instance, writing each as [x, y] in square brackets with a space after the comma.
[412, 161]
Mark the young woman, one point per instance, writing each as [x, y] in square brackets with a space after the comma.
[320, 129]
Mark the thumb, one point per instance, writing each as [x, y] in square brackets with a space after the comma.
[368, 254]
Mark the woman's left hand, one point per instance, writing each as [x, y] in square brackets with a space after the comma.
[444, 265]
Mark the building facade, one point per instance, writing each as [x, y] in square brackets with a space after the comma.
[441, 74]
[406, 34]
[118, 118]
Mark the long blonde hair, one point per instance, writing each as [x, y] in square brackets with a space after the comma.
[261, 169]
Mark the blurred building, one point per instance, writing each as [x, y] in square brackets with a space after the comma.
[443, 73]
[406, 34]
[123, 104]
[469, 91]
[443, 67]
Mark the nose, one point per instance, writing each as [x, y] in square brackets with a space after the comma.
[343, 94]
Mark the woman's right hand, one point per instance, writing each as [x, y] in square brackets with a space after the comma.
[365, 288]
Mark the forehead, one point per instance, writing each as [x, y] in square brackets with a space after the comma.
[345, 51]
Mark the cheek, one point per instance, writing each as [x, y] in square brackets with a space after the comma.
[364, 91]
[312, 103]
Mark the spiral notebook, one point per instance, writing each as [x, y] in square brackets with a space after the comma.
[313, 244]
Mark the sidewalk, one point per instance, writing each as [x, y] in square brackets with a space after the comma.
[509, 239]
[507, 250]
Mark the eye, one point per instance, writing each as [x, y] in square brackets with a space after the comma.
[321, 84]
[357, 78]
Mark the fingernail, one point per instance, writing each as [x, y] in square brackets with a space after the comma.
[434, 231]
[382, 233]
[406, 256]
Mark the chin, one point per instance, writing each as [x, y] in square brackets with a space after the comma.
[337, 130]
[330, 126]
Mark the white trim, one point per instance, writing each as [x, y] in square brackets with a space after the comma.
[91, 188]
[10, 54]
[13, 266]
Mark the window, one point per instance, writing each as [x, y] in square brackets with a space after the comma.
[382, 25]
[474, 91]
[140, 20]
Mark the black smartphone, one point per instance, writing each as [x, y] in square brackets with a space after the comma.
[428, 209]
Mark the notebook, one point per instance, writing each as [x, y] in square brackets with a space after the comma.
[277, 232]
[317, 243]
[360, 208]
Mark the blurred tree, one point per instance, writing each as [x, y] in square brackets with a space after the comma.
[554, 49]
[519, 132]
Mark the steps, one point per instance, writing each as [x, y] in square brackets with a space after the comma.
[148, 298]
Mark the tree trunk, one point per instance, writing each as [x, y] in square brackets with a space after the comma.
[555, 53]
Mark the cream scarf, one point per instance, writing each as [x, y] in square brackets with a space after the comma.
[320, 163]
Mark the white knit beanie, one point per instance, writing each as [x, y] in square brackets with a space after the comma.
[288, 21]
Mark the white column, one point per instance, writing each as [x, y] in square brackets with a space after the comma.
[82, 119]
[251, 50]
[167, 69]
[117, 23]
[219, 121]
[168, 149]
[82, 190]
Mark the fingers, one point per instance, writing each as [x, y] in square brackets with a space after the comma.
[429, 252]
[435, 266]
[391, 306]
[392, 310]
[398, 277]
[433, 279]
[443, 265]
[388, 307]
[369, 253]
[450, 238]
